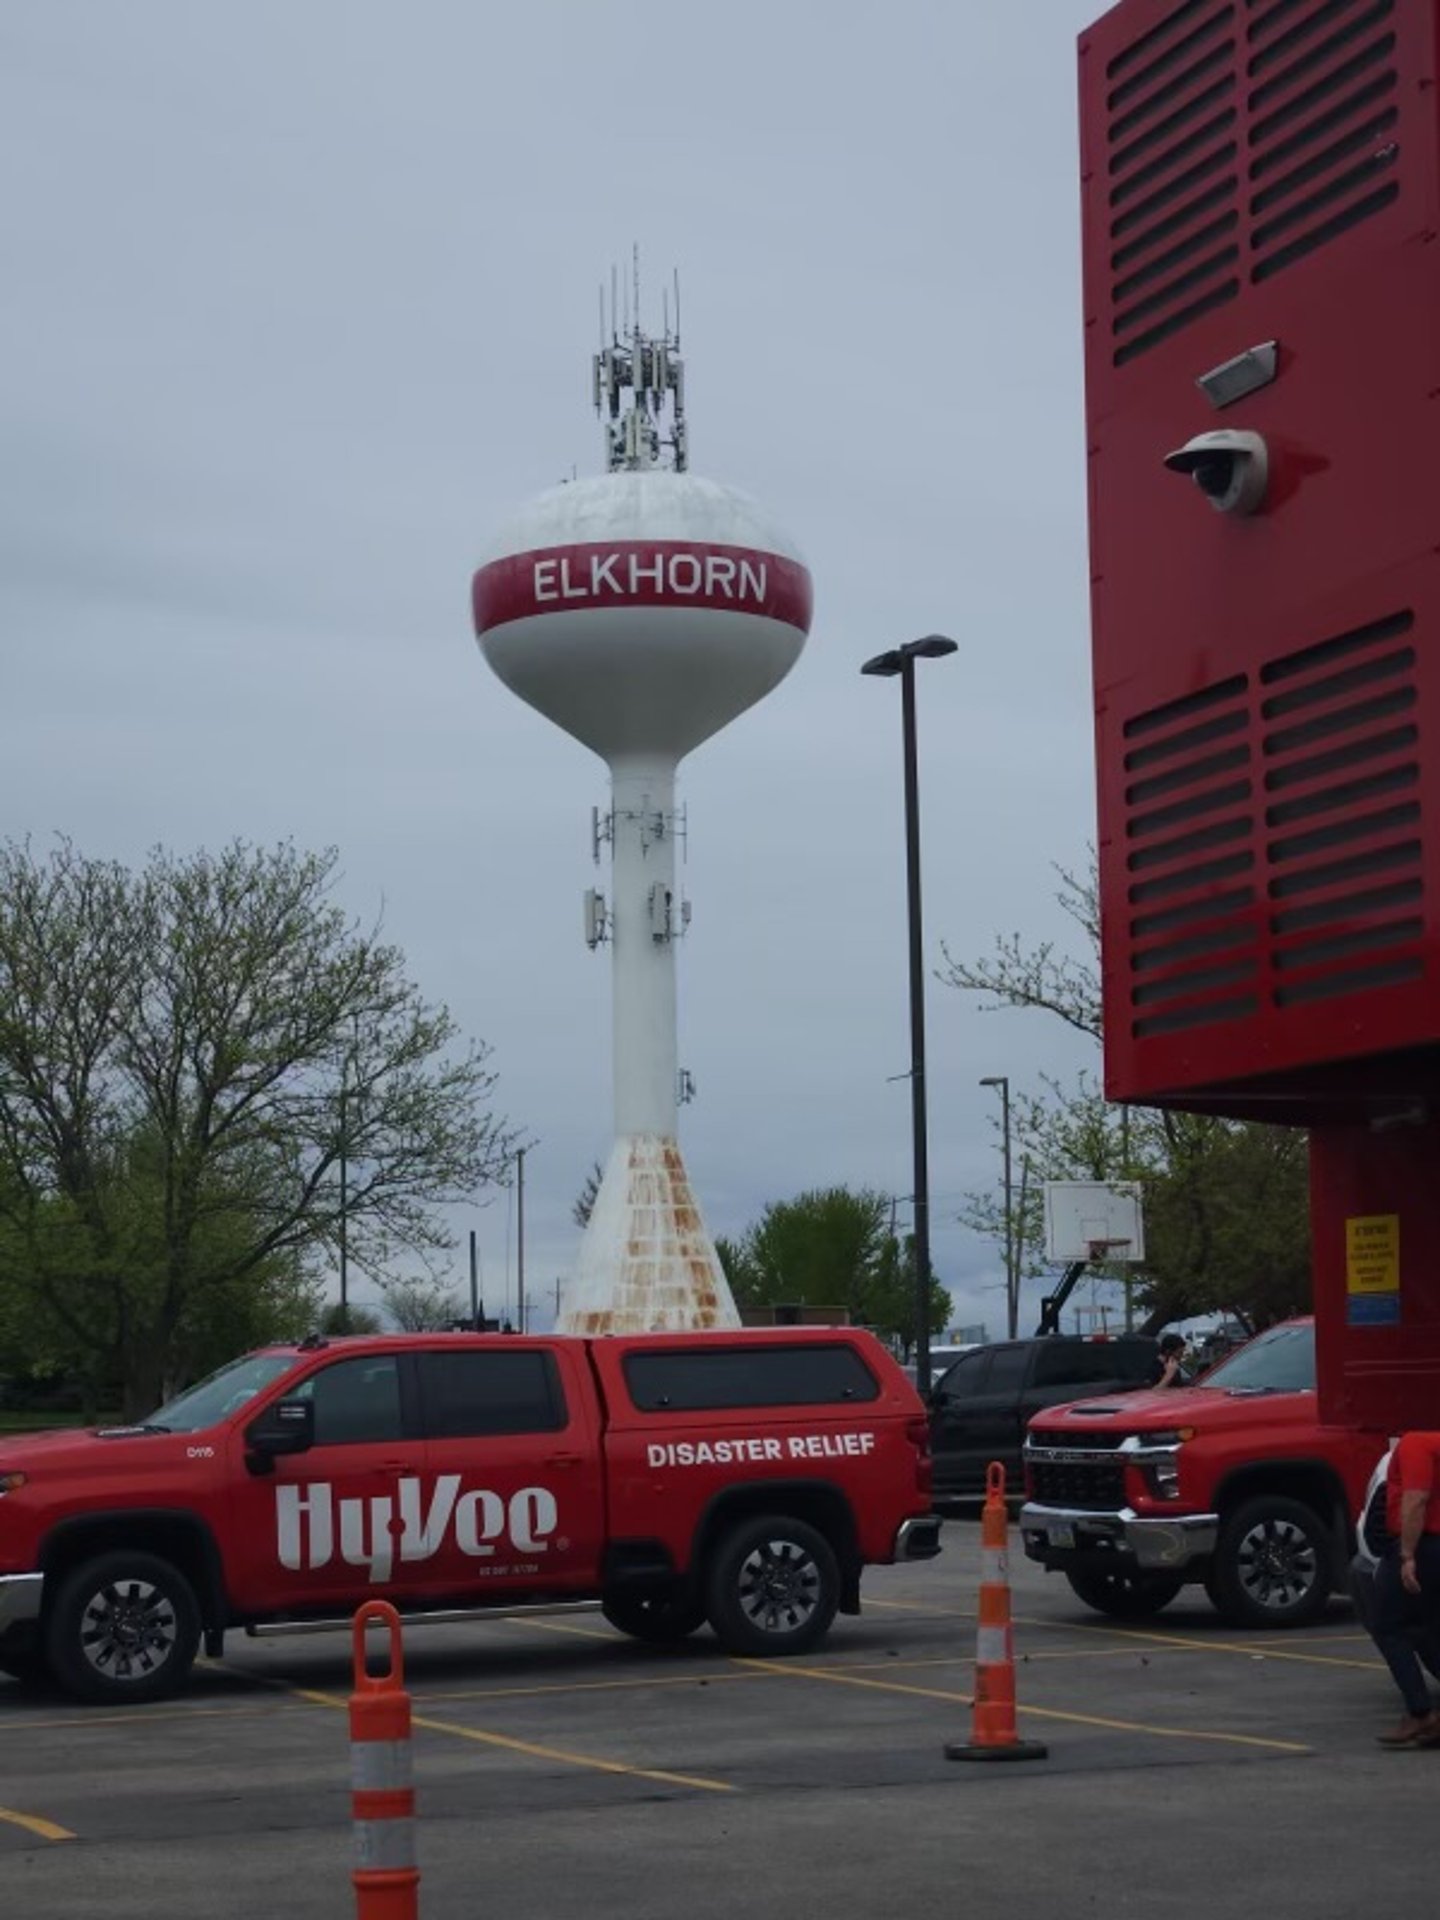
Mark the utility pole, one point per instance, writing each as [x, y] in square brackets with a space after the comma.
[1129, 1276]
[1012, 1282]
[520, 1301]
[344, 1201]
[1019, 1243]
[475, 1314]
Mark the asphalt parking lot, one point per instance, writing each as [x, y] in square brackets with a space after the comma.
[564, 1771]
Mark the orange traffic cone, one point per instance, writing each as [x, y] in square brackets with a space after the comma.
[992, 1733]
[387, 1880]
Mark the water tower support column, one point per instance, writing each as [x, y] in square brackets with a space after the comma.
[644, 921]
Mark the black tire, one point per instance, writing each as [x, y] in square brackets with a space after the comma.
[772, 1586]
[1274, 1564]
[124, 1627]
[1124, 1596]
[662, 1619]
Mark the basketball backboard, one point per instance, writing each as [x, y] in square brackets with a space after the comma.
[1082, 1216]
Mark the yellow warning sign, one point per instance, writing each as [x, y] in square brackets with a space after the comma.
[1372, 1253]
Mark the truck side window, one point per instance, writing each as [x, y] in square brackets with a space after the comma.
[473, 1394]
[1007, 1369]
[696, 1378]
[966, 1378]
[355, 1401]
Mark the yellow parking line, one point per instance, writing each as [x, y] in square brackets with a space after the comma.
[561, 1626]
[1254, 1650]
[156, 1715]
[1042, 1713]
[691, 1679]
[1149, 1637]
[536, 1752]
[32, 1823]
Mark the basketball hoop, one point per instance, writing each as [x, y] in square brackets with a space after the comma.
[1104, 1249]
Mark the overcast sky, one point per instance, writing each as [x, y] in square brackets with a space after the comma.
[300, 297]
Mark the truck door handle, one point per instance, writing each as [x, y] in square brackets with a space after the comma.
[563, 1459]
[398, 1466]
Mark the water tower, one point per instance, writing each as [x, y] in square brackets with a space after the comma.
[642, 611]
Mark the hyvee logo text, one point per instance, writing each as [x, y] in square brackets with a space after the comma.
[310, 1523]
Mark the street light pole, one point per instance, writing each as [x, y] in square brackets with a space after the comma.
[1012, 1277]
[901, 661]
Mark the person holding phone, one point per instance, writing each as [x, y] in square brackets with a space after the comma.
[1170, 1368]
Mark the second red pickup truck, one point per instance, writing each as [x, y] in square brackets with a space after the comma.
[745, 1480]
[1233, 1483]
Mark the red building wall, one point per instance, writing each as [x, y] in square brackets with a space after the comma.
[1267, 686]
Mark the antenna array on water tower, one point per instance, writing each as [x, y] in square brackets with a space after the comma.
[641, 430]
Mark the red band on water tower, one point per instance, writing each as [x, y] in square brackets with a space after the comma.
[642, 573]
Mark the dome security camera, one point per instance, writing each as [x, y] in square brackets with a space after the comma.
[1230, 467]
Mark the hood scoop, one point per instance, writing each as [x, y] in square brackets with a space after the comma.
[1094, 1412]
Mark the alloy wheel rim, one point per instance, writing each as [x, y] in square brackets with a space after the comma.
[779, 1586]
[128, 1630]
[1278, 1564]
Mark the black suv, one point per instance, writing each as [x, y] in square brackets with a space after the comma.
[979, 1407]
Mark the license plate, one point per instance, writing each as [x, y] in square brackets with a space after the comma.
[1060, 1533]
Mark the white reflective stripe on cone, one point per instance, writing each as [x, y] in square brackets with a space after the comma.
[379, 1766]
[991, 1646]
[994, 1566]
[384, 1846]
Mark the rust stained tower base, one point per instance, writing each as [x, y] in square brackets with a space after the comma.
[647, 1263]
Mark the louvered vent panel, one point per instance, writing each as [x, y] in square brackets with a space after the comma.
[1342, 814]
[1188, 828]
[1323, 109]
[1173, 147]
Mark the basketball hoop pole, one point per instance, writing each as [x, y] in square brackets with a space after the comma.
[1052, 1303]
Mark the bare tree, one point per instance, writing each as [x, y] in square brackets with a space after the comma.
[421, 1306]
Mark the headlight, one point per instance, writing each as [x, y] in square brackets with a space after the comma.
[1158, 1457]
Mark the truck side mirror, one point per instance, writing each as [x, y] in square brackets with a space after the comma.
[287, 1426]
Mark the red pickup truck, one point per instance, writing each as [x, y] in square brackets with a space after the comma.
[741, 1479]
[1233, 1483]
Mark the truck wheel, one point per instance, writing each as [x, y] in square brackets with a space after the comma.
[1273, 1565]
[663, 1619]
[773, 1586]
[124, 1626]
[1124, 1596]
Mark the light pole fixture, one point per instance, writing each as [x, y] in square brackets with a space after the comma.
[901, 661]
[1012, 1264]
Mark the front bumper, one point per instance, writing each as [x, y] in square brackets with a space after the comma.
[1062, 1536]
[918, 1539]
[19, 1600]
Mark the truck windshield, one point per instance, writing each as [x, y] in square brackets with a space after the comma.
[202, 1405]
[1280, 1361]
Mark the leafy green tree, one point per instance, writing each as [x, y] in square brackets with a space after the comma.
[188, 1056]
[1226, 1202]
[831, 1247]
